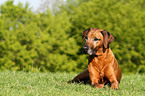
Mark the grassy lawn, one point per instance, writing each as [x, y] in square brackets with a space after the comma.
[54, 84]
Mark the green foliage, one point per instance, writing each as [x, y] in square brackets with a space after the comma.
[52, 41]
[53, 84]
[35, 42]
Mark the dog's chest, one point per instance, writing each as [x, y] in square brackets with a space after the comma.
[97, 63]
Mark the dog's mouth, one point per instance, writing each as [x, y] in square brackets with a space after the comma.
[84, 51]
[89, 51]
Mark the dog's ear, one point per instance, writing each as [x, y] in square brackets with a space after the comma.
[107, 38]
[85, 32]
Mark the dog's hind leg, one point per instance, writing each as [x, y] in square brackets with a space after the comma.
[82, 77]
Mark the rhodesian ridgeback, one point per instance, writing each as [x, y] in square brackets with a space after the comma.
[103, 67]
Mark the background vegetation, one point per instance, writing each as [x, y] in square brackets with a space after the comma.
[52, 41]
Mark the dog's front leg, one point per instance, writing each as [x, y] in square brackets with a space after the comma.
[109, 73]
[94, 77]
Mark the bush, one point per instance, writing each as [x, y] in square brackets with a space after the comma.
[52, 41]
[35, 42]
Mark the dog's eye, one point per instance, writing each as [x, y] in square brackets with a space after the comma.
[96, 39]
[86, 38]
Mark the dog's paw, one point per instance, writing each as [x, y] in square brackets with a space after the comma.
[114, 86]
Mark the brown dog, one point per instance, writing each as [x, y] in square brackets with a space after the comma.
[103, 67]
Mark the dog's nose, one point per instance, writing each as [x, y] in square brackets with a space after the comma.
[85, 47]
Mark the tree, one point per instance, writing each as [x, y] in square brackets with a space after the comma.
[35, 42]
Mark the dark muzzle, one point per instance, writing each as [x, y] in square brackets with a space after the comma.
[85, 49]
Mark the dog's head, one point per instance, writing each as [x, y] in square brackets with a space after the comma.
[95, 39]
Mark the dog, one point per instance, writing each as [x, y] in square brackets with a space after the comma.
[103, 67]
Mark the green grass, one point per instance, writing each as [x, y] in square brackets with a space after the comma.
[54, 84]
